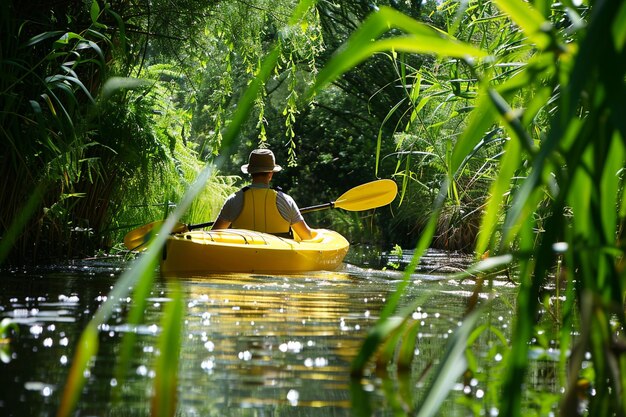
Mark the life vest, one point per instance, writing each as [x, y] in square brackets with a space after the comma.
[260, 213]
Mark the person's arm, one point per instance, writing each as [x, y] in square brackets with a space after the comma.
[221, 224]
[303, 230]
[230, 210]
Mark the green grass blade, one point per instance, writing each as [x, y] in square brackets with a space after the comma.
[609, 188]
[362, 44]
[8, 326]
[509, 164]
[619, 28]
[423, 244]
[533, 24]
[482, 118]
[164, 399]
[376, 336]
[135, 317]
[85, 353]
[451, 366]
[517, 359]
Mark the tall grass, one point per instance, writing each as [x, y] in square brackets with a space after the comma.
[142, 272]
[574, 165]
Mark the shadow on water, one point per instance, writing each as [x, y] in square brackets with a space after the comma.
[253, 345]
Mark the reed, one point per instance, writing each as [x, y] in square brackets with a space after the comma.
[564, 155]
[555, 201]
[142, 272]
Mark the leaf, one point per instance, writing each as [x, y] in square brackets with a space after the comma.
[43, 36]
[481, 120]
[619, 28]
[85, 352]
[7, 324]
[610, 187]
[121, 26]
[48, 101]
[361, 45]
[97, 49]
[532, 23]
[377, 335]
[509, 164]
[65, 39]
[115, 84]
[164, 398]
[94, 12]
[451, 367]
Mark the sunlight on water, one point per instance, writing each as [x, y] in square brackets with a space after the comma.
[275, 345]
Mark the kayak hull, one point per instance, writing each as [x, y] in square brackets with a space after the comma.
[238, 250]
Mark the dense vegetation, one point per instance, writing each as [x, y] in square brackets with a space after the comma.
[110, 109]
[500, 119]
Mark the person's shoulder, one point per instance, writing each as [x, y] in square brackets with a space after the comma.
[281, 193]
[236, 195]
[240, 191]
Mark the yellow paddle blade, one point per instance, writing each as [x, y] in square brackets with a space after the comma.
[137, 238]
[368, 196]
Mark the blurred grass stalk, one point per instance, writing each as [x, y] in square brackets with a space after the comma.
[576, 76]
[141, 274]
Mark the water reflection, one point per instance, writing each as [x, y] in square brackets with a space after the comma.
[253, 345]
[262, 342]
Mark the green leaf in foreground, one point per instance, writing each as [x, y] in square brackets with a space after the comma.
[164, 399]
[452, 365]
[362, 44]
[85, 352]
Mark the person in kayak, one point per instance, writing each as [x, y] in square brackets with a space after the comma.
[260, 207]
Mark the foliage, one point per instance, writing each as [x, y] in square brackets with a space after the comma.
[42, 96]
[560, 76]
[510, 96]
[76, 131]
[142, 272]
[7, 327]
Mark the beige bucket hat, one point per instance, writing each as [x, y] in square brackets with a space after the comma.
[261, 160]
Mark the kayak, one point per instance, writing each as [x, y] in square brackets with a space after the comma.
[239, 250]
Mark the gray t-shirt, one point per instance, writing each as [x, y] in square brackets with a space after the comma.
[287, 207]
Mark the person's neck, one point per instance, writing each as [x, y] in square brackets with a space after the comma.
[261, 179]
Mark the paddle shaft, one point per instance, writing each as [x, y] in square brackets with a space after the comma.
[318, 207]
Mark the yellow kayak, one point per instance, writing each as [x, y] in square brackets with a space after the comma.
[238, 250]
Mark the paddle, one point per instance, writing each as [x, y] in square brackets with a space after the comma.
[363, 197]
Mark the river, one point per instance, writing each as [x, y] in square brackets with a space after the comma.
[254, 345]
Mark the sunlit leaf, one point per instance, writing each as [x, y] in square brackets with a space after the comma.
[511, 161]
[94, 11]
[481, 120]
[619, 28]
[86, 351]
[164, 397]
[6, 326]
[534, 25]
[610, 183]
[451, 366]
[362, 44]
[115, 84]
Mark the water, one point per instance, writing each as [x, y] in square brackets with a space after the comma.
[253, 345]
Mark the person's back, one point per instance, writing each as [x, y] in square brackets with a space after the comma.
[260, 207]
